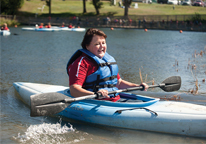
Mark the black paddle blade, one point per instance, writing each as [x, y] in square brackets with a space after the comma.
[47, 104]
[48, 110]
[171, 84]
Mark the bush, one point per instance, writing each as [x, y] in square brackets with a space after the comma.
[9, 22]
[197, 17]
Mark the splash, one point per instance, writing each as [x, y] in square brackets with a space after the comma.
[46, 133]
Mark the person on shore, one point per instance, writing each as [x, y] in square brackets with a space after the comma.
[120, 22]
[130, 22]
[139, 23]
[92, 70]
[5, 27]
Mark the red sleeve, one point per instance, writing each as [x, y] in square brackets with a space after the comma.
[80, 69]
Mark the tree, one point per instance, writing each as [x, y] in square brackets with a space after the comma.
[127, 3]
[97, 5]
[48, 3]
[84, 6]
[10, 7]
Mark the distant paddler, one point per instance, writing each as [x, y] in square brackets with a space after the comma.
[41, 25]
[63, 24]
[48, 25]
[70, 26]
[5, 27]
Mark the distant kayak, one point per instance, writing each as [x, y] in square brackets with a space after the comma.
[72, 29]
[53, 29]
[41, 29]
[5, 32]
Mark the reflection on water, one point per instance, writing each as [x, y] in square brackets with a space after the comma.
[41, 57]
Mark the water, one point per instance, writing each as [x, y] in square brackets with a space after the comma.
[41, 57]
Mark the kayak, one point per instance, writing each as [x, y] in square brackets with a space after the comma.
[5, 32]
[73, 29]
[131, 111]
[41, 29]
[54, 29]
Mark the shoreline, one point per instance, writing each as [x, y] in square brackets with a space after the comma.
[113, 22]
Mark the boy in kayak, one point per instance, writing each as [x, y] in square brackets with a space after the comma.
[5, 27]
[92, 70]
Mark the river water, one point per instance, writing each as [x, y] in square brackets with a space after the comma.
[41, 57]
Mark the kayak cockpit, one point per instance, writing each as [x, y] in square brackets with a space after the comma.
[126, 100]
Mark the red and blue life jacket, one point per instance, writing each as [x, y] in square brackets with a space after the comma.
[106, 75]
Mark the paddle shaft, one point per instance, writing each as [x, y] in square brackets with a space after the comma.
[112, 92]
[52, 103]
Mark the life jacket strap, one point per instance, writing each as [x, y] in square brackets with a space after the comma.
[97, 87]
[101, 80]
[107, 63]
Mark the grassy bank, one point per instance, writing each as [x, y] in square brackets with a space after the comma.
[9, 22]
[62, 8]
[65, 9]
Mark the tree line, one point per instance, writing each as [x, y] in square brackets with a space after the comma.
[10, 7]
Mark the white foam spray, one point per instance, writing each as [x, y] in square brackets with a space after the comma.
[46, 133]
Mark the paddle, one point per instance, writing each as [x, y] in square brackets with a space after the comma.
[51, 103]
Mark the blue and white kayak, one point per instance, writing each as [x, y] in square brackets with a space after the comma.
[41, 29]
[54, 29]
[5, 32]
[73, 29]
[132, 111]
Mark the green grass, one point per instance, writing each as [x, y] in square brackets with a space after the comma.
[69, 8]
[9, 22]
